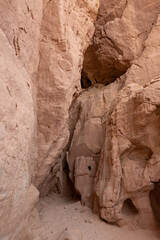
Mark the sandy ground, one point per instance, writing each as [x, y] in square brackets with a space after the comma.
[59, 214]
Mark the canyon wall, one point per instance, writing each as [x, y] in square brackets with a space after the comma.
[114, 155]
[122, 36]
[19, 56]
[66, 31]
[16, 137]
[42, 47]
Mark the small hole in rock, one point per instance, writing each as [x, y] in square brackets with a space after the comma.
[89, 168]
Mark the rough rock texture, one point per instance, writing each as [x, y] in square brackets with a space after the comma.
[66, 31]
[88, 116]
[129, 163]
[42, 45]
[114, 149]
[122, 33]
[130, 154]
[21, 21]
[17, 195]
[147, 66]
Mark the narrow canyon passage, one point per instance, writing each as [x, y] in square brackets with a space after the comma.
[79, 120]
[62, 217]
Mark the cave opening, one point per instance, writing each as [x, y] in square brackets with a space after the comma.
[129, 210]
[97, 70]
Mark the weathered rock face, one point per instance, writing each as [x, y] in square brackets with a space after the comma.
[126, 132]
[42, 46]
[66, 31]
[130, 155]
[122, 35]
[21, 21]
[19, 42]
[17, 195]
[89, 115]
[147, 66]
[122, 182]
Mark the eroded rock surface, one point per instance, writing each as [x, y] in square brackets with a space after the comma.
[127, 164]
[122, 33]
[42, 45]
[17, 195]
[125, 187]
[66, 31]
[89, 115]
[21, 21]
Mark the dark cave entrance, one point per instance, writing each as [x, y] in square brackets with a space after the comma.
[100, 71]
[129, 211]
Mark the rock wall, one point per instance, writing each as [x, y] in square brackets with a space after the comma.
[113, 156]
[17, 195]
[19, 57]
[21, 22]
[66, 31]
[122, 36]
[42, 44]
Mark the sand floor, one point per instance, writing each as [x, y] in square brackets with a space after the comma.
[58, 214]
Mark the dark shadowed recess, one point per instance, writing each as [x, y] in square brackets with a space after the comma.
[102, 71]
[129, 209]
[155, 200]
